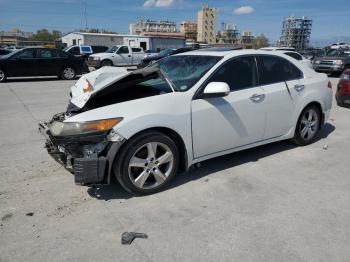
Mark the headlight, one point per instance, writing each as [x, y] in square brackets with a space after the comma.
[96, 58]
[317, 62]
[79, 128]
[338, 62]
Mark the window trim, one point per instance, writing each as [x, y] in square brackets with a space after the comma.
[199, 92]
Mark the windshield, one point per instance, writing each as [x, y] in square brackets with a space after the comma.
[338, 53]
[185, 70]
[11, 54]
[166, 52]
[112, 49]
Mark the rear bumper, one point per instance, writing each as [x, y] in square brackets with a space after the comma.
[343, 100]
[89, 158]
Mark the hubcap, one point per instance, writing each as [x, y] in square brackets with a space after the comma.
[151, 165]
[309, 124]
[69, 73]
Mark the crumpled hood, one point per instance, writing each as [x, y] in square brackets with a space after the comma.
[95, 81]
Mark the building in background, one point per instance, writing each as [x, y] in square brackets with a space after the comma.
[189, 30]
[154, 28]
[228, 34]
[247, 40]
[296, 33]
[154, 43]
[15, 37]
[206, 30]
[81, 38]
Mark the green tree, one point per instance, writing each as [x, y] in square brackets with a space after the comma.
[46, 36]
[261, 41]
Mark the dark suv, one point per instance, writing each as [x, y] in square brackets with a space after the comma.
[336, 61]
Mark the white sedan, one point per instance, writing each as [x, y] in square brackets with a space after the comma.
[142, 126]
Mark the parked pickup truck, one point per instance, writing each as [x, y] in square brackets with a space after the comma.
[120, 55]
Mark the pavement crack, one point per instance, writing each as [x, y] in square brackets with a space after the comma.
[21, 101]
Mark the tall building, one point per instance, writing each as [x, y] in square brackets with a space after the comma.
[296, 33]
[207, 24]
[189, 30]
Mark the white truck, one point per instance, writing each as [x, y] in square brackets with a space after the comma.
[119, 55]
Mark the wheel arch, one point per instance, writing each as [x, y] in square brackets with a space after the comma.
[319, 107]
[107, 59]
[183, 155]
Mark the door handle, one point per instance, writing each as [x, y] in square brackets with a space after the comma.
[129, 55]
[257, 98]
[299, 88]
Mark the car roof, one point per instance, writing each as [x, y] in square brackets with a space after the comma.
[231, 53]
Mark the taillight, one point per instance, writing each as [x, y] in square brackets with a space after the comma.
[329, 84]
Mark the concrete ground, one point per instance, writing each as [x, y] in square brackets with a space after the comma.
[273, 203]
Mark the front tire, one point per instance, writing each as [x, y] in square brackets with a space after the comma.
[307, 126]
[3, 76]
[68, 73]
[147, 163]
[106, 63]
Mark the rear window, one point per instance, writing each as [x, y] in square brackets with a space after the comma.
[85, 49]
[135, 49]
[275, 69]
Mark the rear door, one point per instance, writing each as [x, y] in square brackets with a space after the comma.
[22, 63]
[277, 78]
[238, 119]
[48, 62]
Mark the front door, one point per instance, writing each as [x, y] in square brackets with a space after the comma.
[124, 57]
[223, 123]
[48, 63]
[22, 63]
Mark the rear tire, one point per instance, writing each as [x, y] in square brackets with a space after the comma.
[307, 126]
[68, 73]
[3, 76]
[106, 63]
[147, 163]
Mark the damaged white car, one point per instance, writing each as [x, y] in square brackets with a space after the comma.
[142, 126]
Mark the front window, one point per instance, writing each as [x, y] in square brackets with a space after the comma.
[112, 49]
[26, 54]
[185, 70]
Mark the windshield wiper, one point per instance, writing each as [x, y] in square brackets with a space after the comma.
[167, 79]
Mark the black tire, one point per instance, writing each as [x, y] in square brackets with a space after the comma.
[106, 63]
[68, 73]
[126, 175]
[3, 75]
[300, 137]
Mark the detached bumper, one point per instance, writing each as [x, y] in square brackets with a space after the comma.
[88, 157]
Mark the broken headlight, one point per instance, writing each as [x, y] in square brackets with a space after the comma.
[80, 128]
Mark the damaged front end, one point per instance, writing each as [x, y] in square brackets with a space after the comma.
[88, 155]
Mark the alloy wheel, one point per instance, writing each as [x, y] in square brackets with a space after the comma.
[309, 124]
[68, 73]
[150, 165]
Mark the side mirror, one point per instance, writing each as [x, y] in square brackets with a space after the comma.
[216, 89]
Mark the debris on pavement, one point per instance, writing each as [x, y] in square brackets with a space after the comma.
[30, 214]
[128, 237]
[325, 147]
[7, 217]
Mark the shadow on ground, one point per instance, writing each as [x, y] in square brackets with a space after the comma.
[115, 191]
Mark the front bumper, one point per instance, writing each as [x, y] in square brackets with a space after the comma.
[328, 68]
[94, 63]
[88, 157]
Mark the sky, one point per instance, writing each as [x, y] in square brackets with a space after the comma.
[330, 18]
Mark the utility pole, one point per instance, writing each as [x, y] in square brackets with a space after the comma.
[85, 16]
